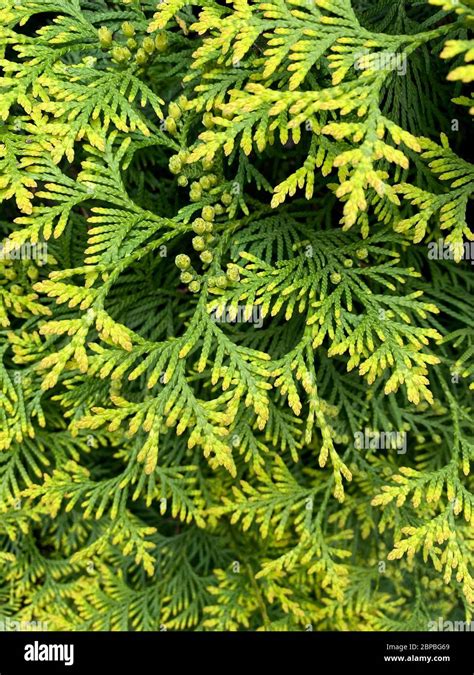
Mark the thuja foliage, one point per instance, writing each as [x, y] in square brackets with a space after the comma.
[236, 202]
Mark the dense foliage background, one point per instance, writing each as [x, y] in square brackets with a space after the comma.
[237, 314]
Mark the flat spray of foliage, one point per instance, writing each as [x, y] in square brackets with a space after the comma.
[235, 203]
